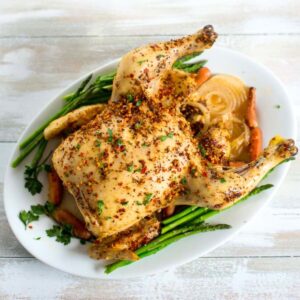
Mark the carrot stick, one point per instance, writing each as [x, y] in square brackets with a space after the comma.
[255, 143]
[202, 75]
[236, 164]
[169, 210]
[64, 217]
[251, 108]
[55, 193]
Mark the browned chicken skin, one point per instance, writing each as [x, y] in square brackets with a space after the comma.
[131, 158]
[216, 145]
[141, 70]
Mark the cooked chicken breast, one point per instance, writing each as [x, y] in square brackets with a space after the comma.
[125, 164]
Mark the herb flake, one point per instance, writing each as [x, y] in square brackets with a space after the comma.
[100, 206]
[110, 136]
[183, 181]
[138, 103]
[202, 150]
[165, 137]
[98, 143]
[147, 198]
[130, 168]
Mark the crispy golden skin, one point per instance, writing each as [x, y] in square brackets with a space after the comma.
[129, 159]
[129, 162]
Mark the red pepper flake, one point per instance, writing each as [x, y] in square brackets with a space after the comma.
[144, 170]
[30, 226]
[204, 173]
[121, 210]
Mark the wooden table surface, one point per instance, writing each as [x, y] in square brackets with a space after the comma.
[45, 45]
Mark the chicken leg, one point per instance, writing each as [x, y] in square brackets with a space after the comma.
[141, 68]
[216, 188]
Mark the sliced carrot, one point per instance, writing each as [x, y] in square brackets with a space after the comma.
[55, 193]
[202, 75]
[251, 108]
[169, 210]
[255, 143]
[64, 217]
[236, 164]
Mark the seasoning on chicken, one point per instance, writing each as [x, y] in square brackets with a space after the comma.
[129, 161]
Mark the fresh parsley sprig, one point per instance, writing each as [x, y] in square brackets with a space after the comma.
[32, 183]
[63, 233]
[35, 212]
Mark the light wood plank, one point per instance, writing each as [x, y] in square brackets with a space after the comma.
[135, 17]
[206, 278]
[275, 232]
[34, 70]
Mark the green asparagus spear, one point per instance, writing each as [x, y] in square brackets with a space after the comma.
[184, 219]
[210, 213]
[179, 215]
[28, 140]
[84, 95]
[110, 268]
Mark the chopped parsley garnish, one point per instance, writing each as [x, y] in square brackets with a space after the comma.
[138, 203]
[98, 143]
[137, 125]
[222, 180]
[145, 145]
[140, 62]
[27, 217]
[193, 172]
[202, 150]
[159, 56]
[63, 233]
[31, 173]
[100, 206]
[147, 198]
[119, 142]
[138, 103]
[124, 203]
[137, 170]
[183, 180]
[168, 136]
[130, 168]
[37, 238]
[78, 146]
[110, 135]
[38, 209]
[130, 98]
[107, 218]
[277, 106]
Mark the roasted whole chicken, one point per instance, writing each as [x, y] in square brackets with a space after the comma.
[131, 158]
